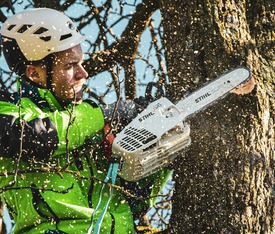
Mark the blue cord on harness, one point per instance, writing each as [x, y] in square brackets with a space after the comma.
[112, 172]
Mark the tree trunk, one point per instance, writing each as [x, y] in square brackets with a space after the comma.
[224, 184]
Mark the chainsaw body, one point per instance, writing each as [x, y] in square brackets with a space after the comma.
[151, 140]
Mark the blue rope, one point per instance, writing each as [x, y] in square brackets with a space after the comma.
[112, 172]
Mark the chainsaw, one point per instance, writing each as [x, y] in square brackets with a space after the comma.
[160, 133]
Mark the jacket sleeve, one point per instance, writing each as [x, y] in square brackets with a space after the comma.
[29, 132]
[74, 127]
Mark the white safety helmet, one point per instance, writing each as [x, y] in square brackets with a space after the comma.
[38, 33]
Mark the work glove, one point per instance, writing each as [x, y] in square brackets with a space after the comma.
[153, 92]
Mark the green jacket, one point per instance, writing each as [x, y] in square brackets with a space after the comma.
[41, 200]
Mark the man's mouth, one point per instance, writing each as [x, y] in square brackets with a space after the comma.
[77, 88]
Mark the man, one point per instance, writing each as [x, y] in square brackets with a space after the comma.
[52, 159]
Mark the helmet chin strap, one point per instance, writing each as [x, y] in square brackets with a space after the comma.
[31, 82]
[49, 71]
[49, 62]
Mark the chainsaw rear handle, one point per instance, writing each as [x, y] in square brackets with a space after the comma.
[149, 89]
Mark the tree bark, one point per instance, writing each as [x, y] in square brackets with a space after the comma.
[224, 184]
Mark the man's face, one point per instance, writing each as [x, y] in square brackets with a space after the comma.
[68, 75]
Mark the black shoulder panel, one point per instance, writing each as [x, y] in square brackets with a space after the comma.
[39, 141]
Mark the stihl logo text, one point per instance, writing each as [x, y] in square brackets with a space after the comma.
[146, 116]
[202, 97]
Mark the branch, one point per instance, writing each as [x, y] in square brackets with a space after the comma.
[42, 189]
[8, 4]
[54, 4]
[126, 48]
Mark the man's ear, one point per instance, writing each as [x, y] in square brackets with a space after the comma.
[36, 74]
[32, 73]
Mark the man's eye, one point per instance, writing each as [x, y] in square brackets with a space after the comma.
[69, 66]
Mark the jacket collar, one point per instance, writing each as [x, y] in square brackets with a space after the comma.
[43, 98]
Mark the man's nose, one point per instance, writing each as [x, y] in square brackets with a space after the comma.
[81, 72]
